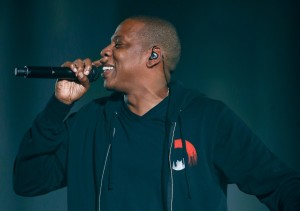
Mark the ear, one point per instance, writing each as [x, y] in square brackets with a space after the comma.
[154, 57]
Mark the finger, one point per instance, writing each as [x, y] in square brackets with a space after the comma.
[83, 79]
[70, 65]
[87, 66]
[97, 63]
[66, 64]
[77, 65]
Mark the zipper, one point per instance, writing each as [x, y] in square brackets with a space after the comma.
[101, 183]
[170, 165]
[102, 176]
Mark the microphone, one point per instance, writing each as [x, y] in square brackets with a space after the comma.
[53, 72]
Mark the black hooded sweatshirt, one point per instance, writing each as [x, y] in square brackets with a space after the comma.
[218, 149]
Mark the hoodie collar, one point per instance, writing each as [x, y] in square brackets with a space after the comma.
[180, 98]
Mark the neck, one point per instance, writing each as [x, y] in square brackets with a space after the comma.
[143, 101]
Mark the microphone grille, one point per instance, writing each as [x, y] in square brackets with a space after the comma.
[21, 71]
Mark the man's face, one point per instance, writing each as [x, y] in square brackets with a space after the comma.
[124, 59]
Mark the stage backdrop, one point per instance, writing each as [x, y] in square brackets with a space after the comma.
[245, 53]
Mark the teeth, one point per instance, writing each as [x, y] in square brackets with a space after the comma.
[107, 68]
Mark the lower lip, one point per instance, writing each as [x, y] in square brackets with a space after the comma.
[106, 73]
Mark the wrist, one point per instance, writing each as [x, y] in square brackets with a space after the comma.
[67, 102]
[64, 101]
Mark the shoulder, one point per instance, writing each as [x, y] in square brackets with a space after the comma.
[100, 106]
[102, 102]
[192, 101]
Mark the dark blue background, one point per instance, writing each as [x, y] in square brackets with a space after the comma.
[245, 53]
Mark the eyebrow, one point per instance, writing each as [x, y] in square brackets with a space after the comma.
[114, 38]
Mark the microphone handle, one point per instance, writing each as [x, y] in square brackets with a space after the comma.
[53, 73]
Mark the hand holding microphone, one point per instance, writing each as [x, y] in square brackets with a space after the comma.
[69, 91]
[73, 77]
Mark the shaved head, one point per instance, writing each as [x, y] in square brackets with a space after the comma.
[161, 33]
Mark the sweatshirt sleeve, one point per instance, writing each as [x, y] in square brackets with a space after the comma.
[40, 165]
[243, 159]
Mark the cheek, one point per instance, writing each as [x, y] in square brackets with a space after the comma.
[129, 60]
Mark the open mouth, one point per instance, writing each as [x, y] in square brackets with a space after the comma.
[107, 70]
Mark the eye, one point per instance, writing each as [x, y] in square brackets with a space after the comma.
[117, 41]
[118, 45]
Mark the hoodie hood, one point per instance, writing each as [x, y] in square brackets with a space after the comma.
[180, 99]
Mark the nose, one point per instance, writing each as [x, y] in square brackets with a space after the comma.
[106, 52]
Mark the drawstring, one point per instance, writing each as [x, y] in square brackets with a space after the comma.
[111, 170]
[185, 155]
[107, 162]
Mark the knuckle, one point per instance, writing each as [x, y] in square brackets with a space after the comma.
[79, 60]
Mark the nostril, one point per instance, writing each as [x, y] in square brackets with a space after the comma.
[105, 53]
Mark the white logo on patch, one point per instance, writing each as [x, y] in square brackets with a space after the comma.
[180, 165]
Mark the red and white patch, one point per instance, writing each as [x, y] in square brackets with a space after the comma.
[191, 152]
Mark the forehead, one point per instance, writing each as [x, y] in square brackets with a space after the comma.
[128, 29]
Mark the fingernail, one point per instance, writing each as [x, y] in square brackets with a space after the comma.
[80, 75]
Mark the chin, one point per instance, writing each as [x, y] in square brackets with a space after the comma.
[108, 86]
